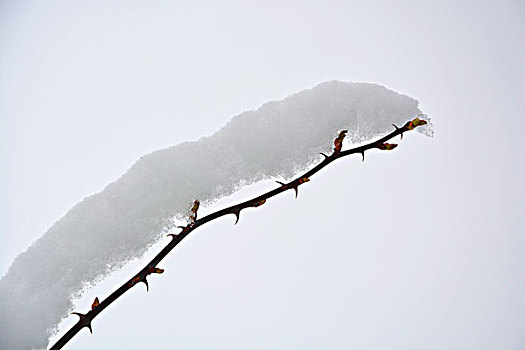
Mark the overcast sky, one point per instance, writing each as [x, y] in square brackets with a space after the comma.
[429, 254]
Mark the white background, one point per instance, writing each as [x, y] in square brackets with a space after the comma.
[419, 248]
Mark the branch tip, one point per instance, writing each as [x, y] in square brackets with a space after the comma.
[415, 123]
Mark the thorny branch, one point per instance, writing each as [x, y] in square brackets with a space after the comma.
[97, 307]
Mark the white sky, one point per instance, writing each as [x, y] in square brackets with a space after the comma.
[87, 88]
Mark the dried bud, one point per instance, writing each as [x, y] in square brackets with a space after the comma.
[95, 303]
[155, 270]
[338, 142]
[195, 206]
[387, 146]
[134, 281]
[303, 180]
[259, 203]
[416, 122]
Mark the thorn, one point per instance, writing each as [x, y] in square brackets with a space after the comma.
[81, 316]
[324, 155]
[182, 227]
[145, 281]
[237, 215]
[363, 154]
[397, 128]
[172, 235]
[300, 182]
[89, 327]
[281, 183]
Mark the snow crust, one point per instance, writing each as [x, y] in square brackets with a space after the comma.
[104, 231]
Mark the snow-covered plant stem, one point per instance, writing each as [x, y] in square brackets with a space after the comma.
[151, 267]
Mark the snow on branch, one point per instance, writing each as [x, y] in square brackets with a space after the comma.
[97, 307]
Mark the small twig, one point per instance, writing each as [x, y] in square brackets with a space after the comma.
[151, 267]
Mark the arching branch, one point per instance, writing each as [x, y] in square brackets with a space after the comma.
[151, 267]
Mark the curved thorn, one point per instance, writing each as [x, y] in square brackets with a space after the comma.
[237, 215]
[281, 183]
[363, 154]
[397, 128]
[296, 191]
[89, 327]
[78, 314]
[324, 155]
[145, 281]
[172, 235]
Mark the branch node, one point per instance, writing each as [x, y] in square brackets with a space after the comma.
[301, 181]
[83, 321]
